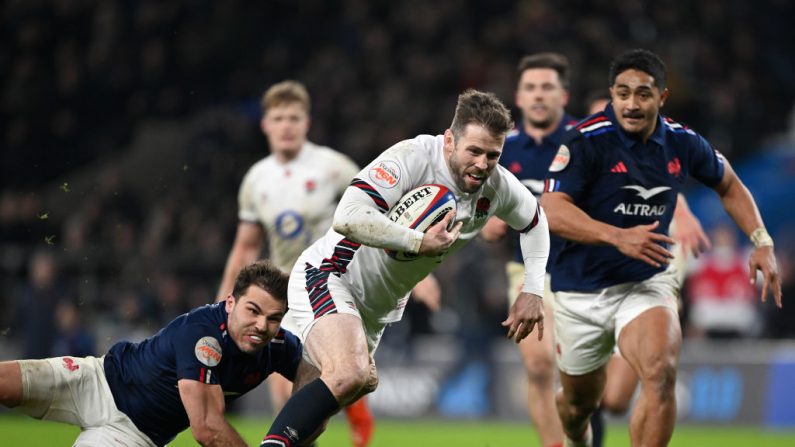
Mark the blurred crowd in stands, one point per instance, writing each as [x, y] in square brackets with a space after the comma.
[92, 250]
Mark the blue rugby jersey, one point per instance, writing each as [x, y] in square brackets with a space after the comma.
[621, 181]
[143, 376]
[529, 162]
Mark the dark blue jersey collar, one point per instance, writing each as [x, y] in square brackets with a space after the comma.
[658, 136]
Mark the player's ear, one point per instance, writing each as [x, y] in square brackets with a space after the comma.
[663, 97]
[230, 303]
[449, 141]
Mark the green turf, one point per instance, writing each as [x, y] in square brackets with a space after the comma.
[22, 431]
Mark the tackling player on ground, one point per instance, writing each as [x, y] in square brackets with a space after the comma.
[144, 394]
[345, 289]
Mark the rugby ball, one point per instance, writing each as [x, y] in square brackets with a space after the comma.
[419, 209]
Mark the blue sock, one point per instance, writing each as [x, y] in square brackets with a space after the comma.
[598, 427]
[302, 416]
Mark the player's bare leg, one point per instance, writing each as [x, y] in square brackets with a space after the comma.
[651, 343]
[577, 400]
[539, 363]
[360, 418]
[338, 347]
[621, 384]
[10, 384]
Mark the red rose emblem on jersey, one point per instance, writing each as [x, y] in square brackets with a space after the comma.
[310, 185]
[482, 207]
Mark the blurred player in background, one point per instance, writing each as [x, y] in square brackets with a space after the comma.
[144, 394]
[542, 93]
[611, 192]
[290, 196]
[345, 289]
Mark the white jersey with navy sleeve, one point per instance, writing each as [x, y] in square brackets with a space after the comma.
[295, 201]
[337, 271]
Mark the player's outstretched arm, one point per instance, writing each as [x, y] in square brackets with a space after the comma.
[204, 404]
[245, 250]
[570, 222]
[740, 205]
[687, 229]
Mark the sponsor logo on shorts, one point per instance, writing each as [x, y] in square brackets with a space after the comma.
[69, 363]
[385, 174]
[208, 351]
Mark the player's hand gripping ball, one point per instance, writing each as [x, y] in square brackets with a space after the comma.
[420, 209]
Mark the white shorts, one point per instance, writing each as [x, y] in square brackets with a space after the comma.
[74, 390]
[587, 325]
[302, 315]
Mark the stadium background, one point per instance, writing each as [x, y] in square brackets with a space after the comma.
[127, 126]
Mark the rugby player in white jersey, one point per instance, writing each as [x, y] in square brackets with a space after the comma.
[345, 289]
[290, 196]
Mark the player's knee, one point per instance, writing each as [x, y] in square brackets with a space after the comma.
[574, 410]
[660, 377]
[349, 381]
[540, 369]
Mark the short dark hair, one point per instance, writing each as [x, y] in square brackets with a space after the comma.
[642, 60]
[481, 108]
[554, 61]
[264, 275]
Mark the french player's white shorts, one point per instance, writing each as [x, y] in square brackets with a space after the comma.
[587, 325]
[74, 390]
[306, 306]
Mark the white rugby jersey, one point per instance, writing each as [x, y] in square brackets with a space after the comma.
[378, 283]
[294, 202]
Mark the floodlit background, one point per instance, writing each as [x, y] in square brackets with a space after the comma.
[126, 127]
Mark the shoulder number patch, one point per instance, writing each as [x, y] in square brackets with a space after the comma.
[208, 351]
[561, 159]
[385, 174]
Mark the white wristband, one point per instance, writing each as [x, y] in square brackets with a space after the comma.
[761, 238]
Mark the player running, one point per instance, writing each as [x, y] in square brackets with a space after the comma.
[611, 192]
[345, 289]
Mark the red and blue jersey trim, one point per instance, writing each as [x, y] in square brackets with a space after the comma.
[317, 277]
[370, 191]
[595, 125]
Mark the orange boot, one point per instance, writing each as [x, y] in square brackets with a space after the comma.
[361, 421]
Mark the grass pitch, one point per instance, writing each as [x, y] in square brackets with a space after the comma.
[18, 430]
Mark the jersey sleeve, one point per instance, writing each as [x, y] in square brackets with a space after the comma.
[706, 163]
[287, 358]
[572, 167]
[197, 349]
[392, 174]
[247, 208]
